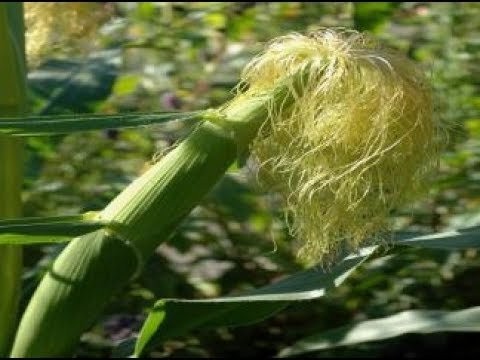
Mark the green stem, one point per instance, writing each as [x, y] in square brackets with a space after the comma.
[12, 103]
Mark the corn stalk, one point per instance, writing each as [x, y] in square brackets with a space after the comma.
[12, 102]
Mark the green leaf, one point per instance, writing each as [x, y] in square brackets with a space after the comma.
[126, 84]
[467, 238]
[372, 15]
[63, 124]
[174, 317]
[413, 321]
[47, 229]
[75, 85]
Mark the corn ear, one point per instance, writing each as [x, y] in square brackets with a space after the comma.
[293, 93]
[88, 273]
[93, 267]
[154, 204]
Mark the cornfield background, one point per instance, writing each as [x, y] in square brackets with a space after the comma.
[187, 56]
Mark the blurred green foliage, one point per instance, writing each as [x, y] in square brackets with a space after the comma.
[187, 56]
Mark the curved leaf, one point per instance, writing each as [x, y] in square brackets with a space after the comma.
[449, 240]
[173, 317]
[413, 321]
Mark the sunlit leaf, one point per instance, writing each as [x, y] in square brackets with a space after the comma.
[449, 240]
[414, 321]
[174, 317]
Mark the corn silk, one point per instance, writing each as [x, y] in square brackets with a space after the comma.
[358, 141]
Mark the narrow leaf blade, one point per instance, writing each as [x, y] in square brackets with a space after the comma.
[64, 124]
[174, 317]
[413, 321]
[35, 230]
[468, 238]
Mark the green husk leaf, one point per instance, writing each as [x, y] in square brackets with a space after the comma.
[73, 293]
[93, 267]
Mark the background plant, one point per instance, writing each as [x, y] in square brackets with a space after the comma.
[187, 57]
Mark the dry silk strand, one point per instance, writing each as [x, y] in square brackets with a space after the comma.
[358, 140]
[54, 27]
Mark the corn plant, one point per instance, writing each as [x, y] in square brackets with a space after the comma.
[341, 128]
